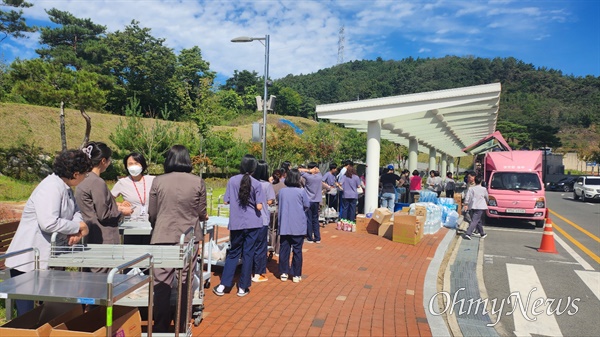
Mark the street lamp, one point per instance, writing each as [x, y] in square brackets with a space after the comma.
[264, 105]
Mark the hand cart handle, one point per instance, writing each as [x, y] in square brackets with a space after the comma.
[36, 254]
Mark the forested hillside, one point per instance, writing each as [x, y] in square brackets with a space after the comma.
[534, 102]
[130, 72]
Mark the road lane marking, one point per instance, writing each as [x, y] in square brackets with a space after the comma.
[577, 243]
[524, 279]
[524, 231]
[492, 256]
[592, 280]
[573, 253]
[575, 225]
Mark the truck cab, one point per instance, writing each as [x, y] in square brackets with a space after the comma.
[514, 182]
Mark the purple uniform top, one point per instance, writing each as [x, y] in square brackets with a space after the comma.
[313, 186]
[269, 194]
[293, 201]
[349, 185]
[243, 217]
[329, 179]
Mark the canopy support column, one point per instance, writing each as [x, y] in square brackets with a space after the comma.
[413, 153]
[432, 164]
[444, 165]
[451, 169]
[372, 176]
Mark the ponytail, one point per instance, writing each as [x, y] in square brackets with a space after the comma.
[245, 189]
[247, 167]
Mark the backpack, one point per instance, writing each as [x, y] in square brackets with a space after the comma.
[450, 184]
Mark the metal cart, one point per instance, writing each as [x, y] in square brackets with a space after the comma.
[178, 257]
[79, 287]
[273, 235]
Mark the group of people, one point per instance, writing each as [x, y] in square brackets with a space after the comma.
[391, 184]
[172, 203]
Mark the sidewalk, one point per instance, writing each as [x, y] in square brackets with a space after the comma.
[464, 277]
[353, 285]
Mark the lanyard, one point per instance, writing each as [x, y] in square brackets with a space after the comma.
[138, 192]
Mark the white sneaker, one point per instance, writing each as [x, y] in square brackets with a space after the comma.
[297, 279]
[284, 277]
[259, 278]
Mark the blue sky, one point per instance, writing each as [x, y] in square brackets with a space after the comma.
[559, 34]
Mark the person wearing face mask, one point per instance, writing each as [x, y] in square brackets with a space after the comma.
[135, 189]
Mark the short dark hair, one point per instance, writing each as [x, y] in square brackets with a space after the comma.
[68, 162]
[332, 166]
[415, 173]
[138, 157]
[178, 160]
[262, 171]
[477, 180]
[97, 151]
[312, 165]
[293, 178]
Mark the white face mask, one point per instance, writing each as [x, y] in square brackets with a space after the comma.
[135, 170]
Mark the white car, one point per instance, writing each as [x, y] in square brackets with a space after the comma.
[587, 187]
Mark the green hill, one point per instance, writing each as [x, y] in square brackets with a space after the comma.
[39, 126]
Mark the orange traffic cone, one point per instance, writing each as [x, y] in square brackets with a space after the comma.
[547, 245]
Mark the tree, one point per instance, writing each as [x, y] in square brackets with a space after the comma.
[543, 136]
[193, 77]
[224, 150]
[242, 81]
[151, 138]
[73, 42]
[141, 66]
[12, 22]
[51, 84]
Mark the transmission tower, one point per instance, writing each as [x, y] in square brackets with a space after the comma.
[341, 41]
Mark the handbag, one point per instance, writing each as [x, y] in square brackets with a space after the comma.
[360, 190]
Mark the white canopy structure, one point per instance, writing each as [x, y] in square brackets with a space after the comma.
[443, 121]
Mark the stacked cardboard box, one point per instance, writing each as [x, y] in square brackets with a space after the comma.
[386, 229]
[361, 223]
[407, 228]
[380, 216]
[458, 201]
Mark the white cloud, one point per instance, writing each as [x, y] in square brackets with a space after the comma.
[304, 34]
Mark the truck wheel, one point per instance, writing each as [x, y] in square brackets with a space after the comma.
[575, 196]
[540, 223]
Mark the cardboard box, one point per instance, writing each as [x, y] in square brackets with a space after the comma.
[408, 228]
[361, 223]
[126, 323]
[386, 229]
[372, 227]
[382, 215]
[420, 211]
[40, 321]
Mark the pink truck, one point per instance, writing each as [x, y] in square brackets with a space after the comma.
[513, 180]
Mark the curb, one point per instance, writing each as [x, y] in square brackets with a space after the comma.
[437, 325]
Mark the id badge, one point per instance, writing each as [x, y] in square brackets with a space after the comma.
[143, 210]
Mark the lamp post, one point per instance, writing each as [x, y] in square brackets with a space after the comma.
[266, 44]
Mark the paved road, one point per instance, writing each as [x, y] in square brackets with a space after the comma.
[565, 285]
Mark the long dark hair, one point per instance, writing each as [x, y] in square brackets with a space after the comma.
[247, 167]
